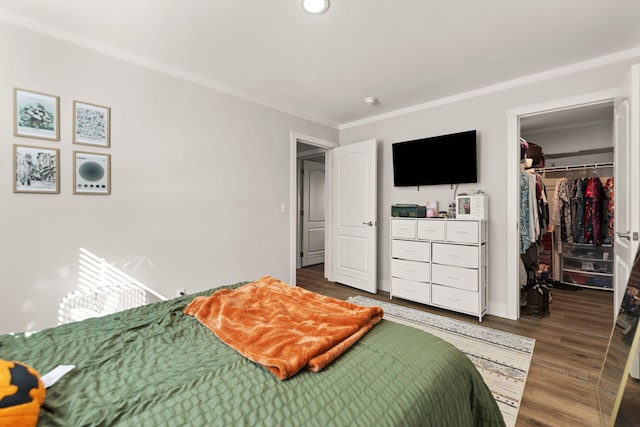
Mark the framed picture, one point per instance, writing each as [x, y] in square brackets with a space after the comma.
[36, 169]
[36, 115]
[91, 124]
[92, 173]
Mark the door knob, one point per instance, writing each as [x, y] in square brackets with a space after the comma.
[370, 223]
[626, 235]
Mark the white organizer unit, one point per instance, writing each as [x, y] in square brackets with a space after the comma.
[440, 262]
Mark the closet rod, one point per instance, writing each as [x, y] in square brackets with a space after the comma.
[575, 167]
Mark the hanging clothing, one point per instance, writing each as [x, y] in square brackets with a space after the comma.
[525, 223]
[543, 206]
[608, 221]
[533, 207]
[583, 210]
[563, 209]
[578, 206]
[594, 195]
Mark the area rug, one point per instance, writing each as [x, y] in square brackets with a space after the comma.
[502, 358]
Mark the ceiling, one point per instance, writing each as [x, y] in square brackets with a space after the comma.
[321, 67]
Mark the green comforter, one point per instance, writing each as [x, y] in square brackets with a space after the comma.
[154, 366]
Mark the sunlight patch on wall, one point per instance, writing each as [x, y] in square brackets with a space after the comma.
[102, 289]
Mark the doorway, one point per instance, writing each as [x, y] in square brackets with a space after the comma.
[304, 146]
[547, 113]
[311, 205]
[571, 152]
[351, 206]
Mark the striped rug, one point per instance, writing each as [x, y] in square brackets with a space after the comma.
[502, 358]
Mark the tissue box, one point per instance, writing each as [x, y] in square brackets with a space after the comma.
[432, 209]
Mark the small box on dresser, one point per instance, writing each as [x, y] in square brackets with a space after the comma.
[440, 262]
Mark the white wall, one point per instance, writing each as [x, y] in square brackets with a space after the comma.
[488, 114]
[197, 182]
[573, 140]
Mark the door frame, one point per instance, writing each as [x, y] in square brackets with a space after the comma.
[296, 137]
[513, 180]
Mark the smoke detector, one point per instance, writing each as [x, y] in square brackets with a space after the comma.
[315, 6]
[370, 100]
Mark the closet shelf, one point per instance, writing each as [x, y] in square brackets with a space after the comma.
[587, 286]
[579, 258]
[590, 273]
[574, 167]
[587, 265]
[588, 245]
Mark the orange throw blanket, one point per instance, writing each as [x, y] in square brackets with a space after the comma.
[282, 327]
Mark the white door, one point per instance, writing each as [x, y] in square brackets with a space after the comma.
[313, 212]
[354, 220]
[627, 180]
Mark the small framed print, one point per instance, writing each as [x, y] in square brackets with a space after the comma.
[91, 124]
[36, 169]
[471, 206]
[92, 173]
[36, 115]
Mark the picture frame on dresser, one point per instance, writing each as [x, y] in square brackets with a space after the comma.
[471, 206]
[36, 114]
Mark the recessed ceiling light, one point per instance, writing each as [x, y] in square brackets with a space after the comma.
[315, 6]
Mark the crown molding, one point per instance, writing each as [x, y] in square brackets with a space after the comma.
[144, 62]
[509, 84]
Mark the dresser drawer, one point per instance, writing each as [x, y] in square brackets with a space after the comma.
[455, 299]
[455, 277]
[462, 231]
[412, 270]
[457, 255]
[417, 251]
[409, 289]
[403, 228]
[431, 229]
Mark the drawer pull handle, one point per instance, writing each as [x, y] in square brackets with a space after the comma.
[462, 232]
[454, 277]
[454, 299]
[410, 250]
[408, 270]
[453, 256]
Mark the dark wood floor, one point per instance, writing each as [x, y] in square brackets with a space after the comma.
[570, 347]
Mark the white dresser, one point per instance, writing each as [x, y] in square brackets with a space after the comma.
[440, 262]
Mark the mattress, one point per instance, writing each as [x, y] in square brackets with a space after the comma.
[154, 365]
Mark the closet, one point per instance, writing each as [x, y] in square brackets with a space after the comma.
[582, 220]
[562, 152]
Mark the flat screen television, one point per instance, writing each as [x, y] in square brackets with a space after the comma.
[444, 159]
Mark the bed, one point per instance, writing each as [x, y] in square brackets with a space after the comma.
[155, 365]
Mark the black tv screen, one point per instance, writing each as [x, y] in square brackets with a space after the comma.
[444, 159]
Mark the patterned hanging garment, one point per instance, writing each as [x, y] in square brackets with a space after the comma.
[564, 196]
[594, 196]
[608, 222]
[577, 210]
[525, 240]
